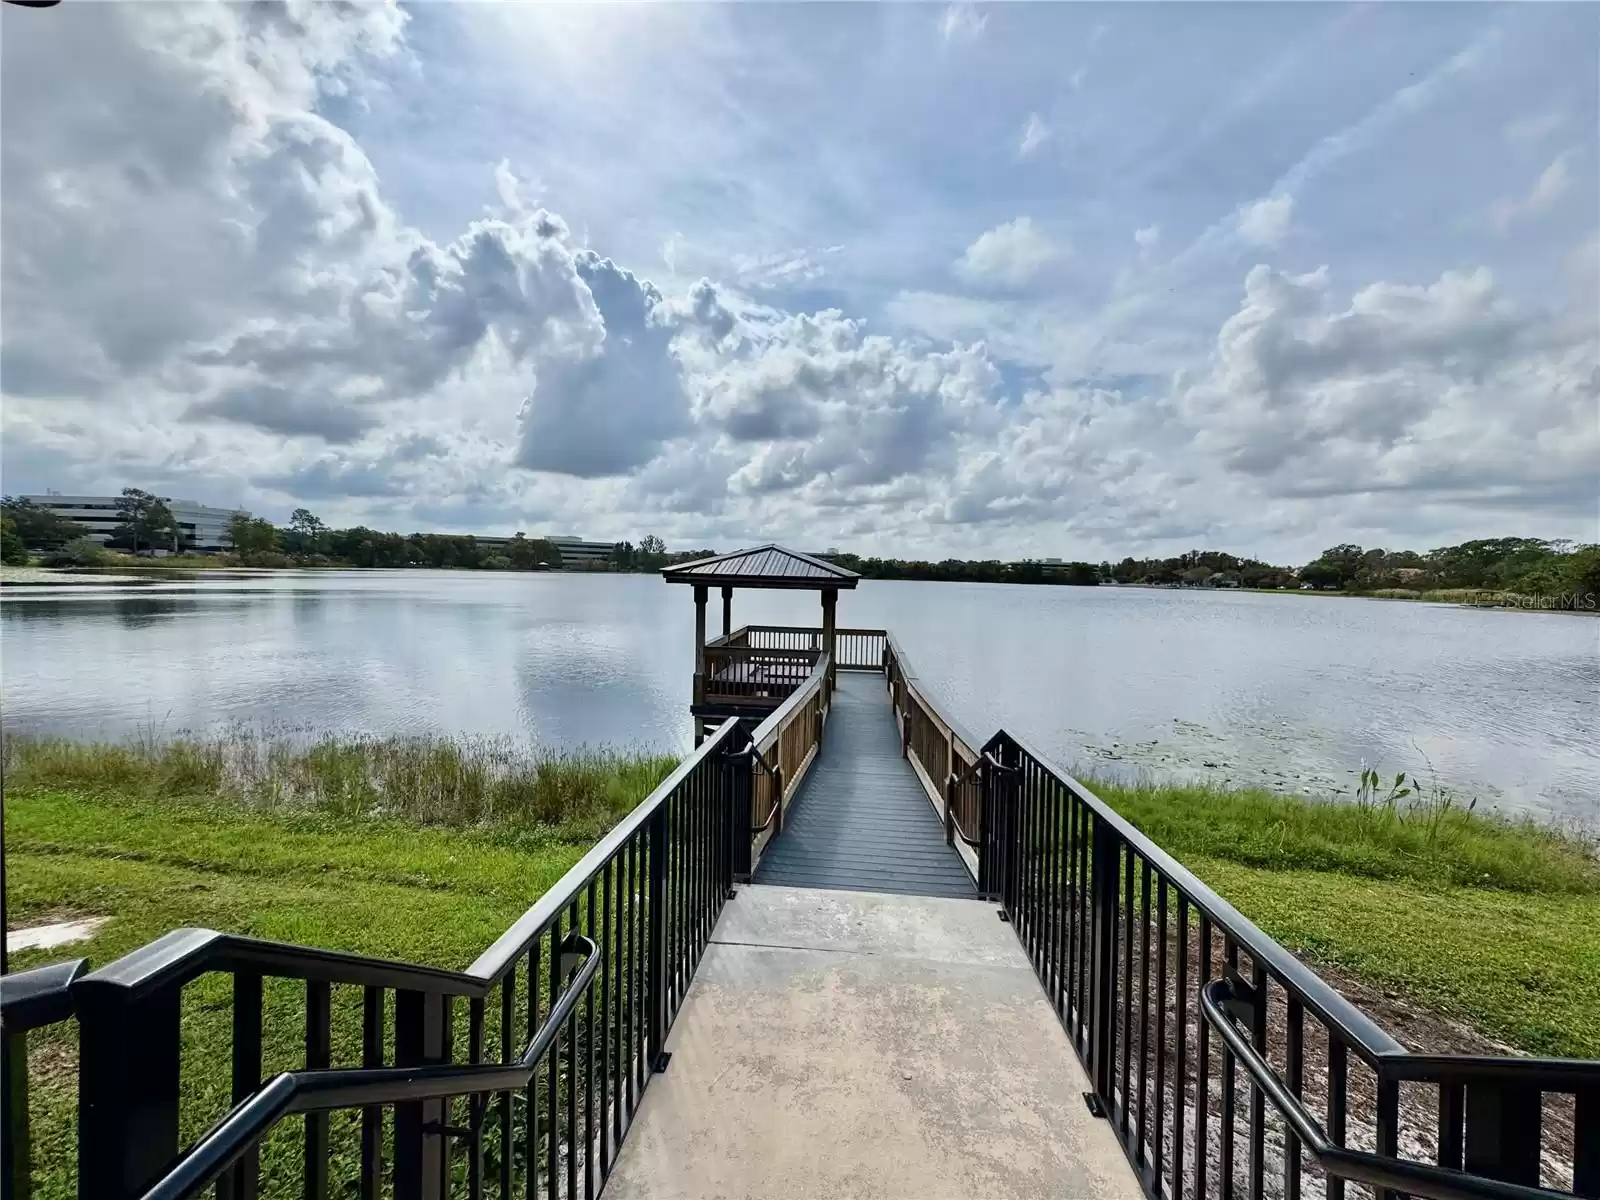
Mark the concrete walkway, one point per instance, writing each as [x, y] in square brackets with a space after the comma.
[861, 821]
[841, 1044]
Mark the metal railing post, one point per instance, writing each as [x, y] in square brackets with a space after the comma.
[1502, 1137]
[1106, 855]
[421, 1038]
[738, 768]
[16, 1166]
[656, 963]
[128, 1060]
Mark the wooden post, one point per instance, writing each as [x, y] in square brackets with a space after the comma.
[699, 643]
[830, 601]
[727, 611]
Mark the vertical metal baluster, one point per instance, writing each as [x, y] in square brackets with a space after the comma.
[1126, 990]
[319, 1046]
[589, 1055]
[607, 965]
[372, 1023]
[1229, 1096]
[1058, 894]
[1386, 1123]
[635, 1063]
[1075, 921]
[508, 1052]
[1180, 1080]
[1586, 1141]
[1144, 1004]
[476, 1102]
[552, 1165]
[1029, 795]
[1452, 1116]
[242, 1180]
[574, 923]
[1338, 1104]
[1295, 1020]
[1258, 1098]
[1160, 1145]
[530, 1096]
[1202, 1061]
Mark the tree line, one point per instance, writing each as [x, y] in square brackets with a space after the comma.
[1527, 566]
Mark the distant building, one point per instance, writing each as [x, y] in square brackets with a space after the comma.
[204, 528]
[574, 550]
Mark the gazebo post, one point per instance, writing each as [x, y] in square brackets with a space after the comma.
[699, 655]
[830, 601]
[727, 611]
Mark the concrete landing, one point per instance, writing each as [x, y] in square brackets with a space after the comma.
[840, 1044]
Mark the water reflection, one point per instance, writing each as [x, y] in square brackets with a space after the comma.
[1290, 691]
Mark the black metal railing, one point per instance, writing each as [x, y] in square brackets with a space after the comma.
[1166, 991]
[565, 1020]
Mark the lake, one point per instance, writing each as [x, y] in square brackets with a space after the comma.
[1288, 690]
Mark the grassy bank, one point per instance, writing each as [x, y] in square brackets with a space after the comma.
[1494, 923]
[425, 850]
[470, 783]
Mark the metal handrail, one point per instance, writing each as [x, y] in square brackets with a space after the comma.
[295, 1092]
[1377, 1171]
[1370, 1041]
[42, 996]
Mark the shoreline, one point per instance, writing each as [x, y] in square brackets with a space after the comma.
[29, 577]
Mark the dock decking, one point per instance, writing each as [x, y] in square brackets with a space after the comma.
[861, 821]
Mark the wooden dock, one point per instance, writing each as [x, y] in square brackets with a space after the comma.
[861, 821]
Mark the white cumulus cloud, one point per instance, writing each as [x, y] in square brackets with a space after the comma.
[1009, 254]
[1265, 221]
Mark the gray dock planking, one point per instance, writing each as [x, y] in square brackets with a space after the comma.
[862, 821]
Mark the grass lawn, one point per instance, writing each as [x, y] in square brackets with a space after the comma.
[1495, 923]
[375, 887]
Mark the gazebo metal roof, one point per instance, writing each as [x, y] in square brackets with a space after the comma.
[769, 566]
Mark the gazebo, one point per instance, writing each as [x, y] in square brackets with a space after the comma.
[750, 671]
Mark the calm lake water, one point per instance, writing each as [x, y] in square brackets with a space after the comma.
[1293, 691]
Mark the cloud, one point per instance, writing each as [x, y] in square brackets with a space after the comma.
[1441, 388]
[1009, 254]
[1034, 134]
[278, 256]
[1265, 222]
[1536, 128]
[962, 23]
[277, 409]
[1547, 191]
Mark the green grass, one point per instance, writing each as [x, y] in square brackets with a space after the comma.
[369, 885]
[1492, 922]
[1522, 968]
[453, 783]
[1428, 839]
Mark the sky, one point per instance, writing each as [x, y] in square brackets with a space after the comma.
[1006, 281]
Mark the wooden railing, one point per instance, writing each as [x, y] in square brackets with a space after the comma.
[944, 756]
[751, 675]
[782, 750]
[854, 649]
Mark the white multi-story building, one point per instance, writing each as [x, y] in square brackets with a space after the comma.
[204, 528]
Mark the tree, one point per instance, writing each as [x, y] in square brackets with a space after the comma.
[306, 534]
[38, 527]
[252, 535]
[145, 521]
[12, 551]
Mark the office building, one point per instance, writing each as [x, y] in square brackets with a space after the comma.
[204, 529]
